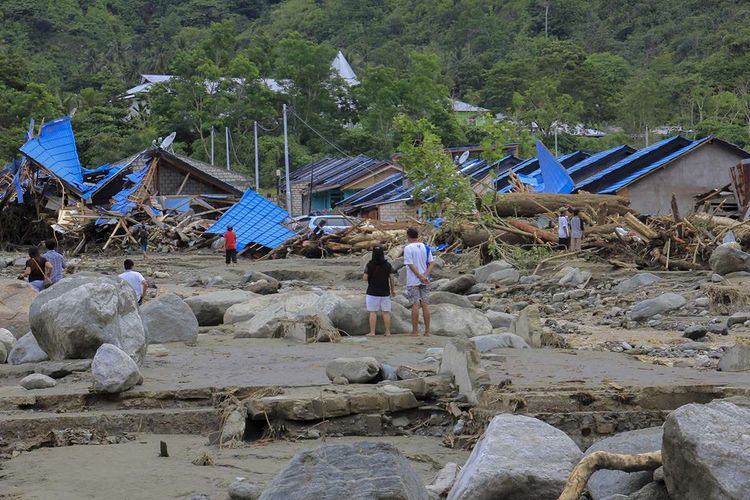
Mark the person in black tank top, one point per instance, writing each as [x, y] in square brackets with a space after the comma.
[381, 286]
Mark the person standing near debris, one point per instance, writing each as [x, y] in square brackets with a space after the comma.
[563, 228]
[419, 262]
[37, 270]
[230, 245]
[143, 240]
[135, 280]
[380, 288]
[576, 231]
[56, 260]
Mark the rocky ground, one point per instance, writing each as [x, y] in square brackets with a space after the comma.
[580, 344]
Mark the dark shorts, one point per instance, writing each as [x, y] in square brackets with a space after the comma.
[144, 247]
[231, 256]
[564, 242]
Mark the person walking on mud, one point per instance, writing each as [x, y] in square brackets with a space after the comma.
[380, 288]
[419, 262]
[230, 245]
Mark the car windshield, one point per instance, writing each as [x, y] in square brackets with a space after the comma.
[337, 222]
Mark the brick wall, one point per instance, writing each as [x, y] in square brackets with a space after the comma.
[298, 207]
[397, 212]
[171, 179]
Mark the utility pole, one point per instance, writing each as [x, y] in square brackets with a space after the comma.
[646, 135]
[288, 184]
[556, 153]
[226, 134]
[546, 18]
[257, 160]
[213, 135]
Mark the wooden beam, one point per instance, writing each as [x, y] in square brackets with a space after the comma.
[182, 186]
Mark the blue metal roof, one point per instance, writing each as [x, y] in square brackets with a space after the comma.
[256, 220]
[55, 150]
[596, 157]
[525, 167]
[630, 159]
[653, 166]
[372, 192]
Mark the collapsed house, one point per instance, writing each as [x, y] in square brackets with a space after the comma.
[176, 198]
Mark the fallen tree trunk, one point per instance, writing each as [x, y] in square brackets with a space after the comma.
[531, 204]
[589, 464]
[539, 233]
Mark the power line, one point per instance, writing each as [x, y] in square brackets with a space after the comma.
[319, 134]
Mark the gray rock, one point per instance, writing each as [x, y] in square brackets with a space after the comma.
[738, 318]
[72, 319]
[450, 298]
[253, 276]
[487, 343]
[361, 471]
[607, 482]
[442, 483]
[695, 332]
[214, 281]
[355, 370]
[263, 287]
[501, 320]
[735, 359]
[242, 489]
[718, 328]
[60, 369]
[37, 381]
[113, 370]
[504, 277]
[15, 299]
[218, 244]
[3, 353]
[387, 372]
[572, 277]
[169, 319]
[637, 282]
[459, 285]
[340, 381]
[7, 339]
[349, 315]
[482, 273]
[26, 350]
[449, 320]
[727, 259]
[209, 308]
[702, 302]
[517, 457]
[705, 452]
[658, 305]
[529, 326]
[652, 491]
[461, 360]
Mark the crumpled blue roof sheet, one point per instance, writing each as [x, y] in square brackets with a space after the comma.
[256, 220]
[653, 166]
[524, 168]
[55, 150]
[626, 161]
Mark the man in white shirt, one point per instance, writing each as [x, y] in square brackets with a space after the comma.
[419, 262]
[563, 228]
[135, 280]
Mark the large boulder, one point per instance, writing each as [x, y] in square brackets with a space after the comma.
[450, 298]
[37, 381]
[15, 299]
[209, 308]
[361, 471]
[727, 259]
[482, 273]
[572, 277]
[76, 316]
[658, 305]
[706, 452]
[26, 350]
[517, 457]
[504, 277]
[449, 320]
[529, 326]
[355, 370]
[609, 482]
[350, 315]
[113, 370]
[459, 285]
[169, 319]
[735, 359]
[7, 340]
[487, 343]
[461, 360]
[500, 319]
[637, 282]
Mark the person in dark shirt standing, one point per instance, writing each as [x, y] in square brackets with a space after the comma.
[230, 245]
[380, 288]
[143, 241]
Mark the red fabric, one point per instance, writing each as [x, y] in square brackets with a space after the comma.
[230, 240]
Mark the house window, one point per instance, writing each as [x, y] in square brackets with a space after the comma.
[336, 196]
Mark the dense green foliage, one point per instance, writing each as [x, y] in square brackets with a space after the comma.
[622, 65]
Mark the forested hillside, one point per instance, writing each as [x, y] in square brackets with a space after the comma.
[629, 64]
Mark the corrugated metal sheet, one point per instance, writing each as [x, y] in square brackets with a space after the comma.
[55, 150]
[531, 168]
[653, 166]
[256, 220]
[599, 157]
[330, 173]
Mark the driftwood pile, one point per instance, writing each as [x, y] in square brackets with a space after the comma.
[362, 236]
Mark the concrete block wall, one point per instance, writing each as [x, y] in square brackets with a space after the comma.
[298, 206]
[397, 212]
[171, 179]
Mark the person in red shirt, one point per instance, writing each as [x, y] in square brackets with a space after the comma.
[230, 245]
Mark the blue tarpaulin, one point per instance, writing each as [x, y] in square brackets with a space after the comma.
[55, 150]
[554, 176]
[256, 220]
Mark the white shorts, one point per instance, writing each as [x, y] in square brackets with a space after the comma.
[375, 304]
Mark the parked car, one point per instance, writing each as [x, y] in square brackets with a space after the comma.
[333, 223]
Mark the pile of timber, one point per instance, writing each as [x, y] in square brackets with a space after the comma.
[363, 236]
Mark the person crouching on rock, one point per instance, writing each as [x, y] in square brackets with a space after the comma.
[380, 288]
